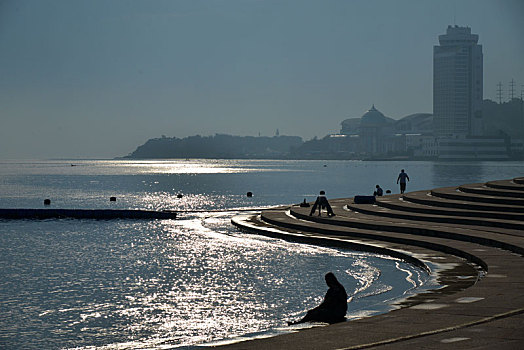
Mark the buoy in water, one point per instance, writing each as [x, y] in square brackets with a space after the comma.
[249, 194]
[112, 199]
[388, 191]
[47, 202]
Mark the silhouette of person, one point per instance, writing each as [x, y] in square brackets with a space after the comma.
[334, 306]
[379, 191]
[304, 204]
[322, 202]
[402, 178]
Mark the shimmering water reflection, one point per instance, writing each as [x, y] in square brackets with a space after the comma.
[165, 284]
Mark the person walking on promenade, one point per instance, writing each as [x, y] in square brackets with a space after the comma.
[379, 191]
[322, 202]
[402, 178]
[334, 306]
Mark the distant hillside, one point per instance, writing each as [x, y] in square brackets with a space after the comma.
[218, 146]
[505, 118]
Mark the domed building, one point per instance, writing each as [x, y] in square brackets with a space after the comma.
[375, 118]
[375, 134]
[374, 129]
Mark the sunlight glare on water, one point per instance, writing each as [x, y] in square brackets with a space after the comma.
[169, 283]
[132, 284]
[185, 167]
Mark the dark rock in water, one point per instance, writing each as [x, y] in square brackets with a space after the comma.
[179, 195]
[47, 202]
[249, 194]
[112, 199]
[388, 191]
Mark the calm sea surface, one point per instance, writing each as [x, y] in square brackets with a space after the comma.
[137, 284]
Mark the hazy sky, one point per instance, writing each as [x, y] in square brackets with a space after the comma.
[96, 79]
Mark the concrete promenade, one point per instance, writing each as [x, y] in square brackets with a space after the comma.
[469, 237]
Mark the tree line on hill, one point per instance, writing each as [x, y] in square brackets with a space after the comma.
[218, 146]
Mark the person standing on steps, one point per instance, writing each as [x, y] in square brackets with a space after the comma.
[402, 178]
[322, 202]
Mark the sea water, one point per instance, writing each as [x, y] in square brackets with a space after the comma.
[196, 280]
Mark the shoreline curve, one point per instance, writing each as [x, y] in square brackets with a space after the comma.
[468, 223]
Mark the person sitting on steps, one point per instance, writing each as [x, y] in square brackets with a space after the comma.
[379, 191]
[334, 306]
[322, 202]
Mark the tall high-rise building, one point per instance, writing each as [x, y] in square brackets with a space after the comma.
[457, 83]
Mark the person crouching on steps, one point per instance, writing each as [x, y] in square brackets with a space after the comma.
[322, 202]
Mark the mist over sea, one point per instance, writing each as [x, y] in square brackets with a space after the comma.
[136, 284]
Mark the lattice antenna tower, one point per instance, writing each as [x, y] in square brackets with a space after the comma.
[522, 107]
[499, 92]
[511, 89]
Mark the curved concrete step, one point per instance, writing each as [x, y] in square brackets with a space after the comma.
[425, 197]
[434, 243]
[488, 312]
[280, 225]
[482, 189]
[503, 238]
[505, 185]
[454, 194]
[434, 218]
[519, 180]
[400, 204]
[455, 272]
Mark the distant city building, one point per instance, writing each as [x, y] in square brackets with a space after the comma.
[374, 129]
[428, 147]
[418, 123]
[350, 126]
[458, 100]
[463, 125]
[481, 148]
[457, 83]
[375, 134]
